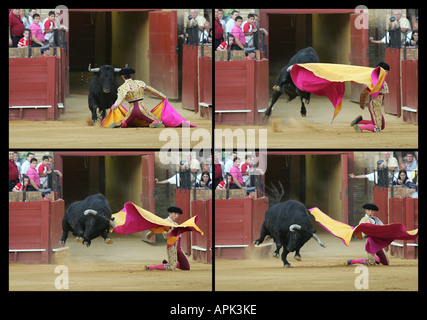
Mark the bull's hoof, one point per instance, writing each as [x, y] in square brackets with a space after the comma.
[297, 257]
[303, 115]
[287, 265]
[276, 255]
[79, 239]
[62, 242]
[86, 243]
[108, 241]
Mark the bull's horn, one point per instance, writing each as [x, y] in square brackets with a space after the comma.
[90, 211]
[294, 227]
[318, 240]
[93, 69]
[112, 224]
[289, 69]
[117, 69]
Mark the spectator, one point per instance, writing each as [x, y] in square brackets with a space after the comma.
[225, 184]
[205, 35]
[43, 170]
[25, 40]
[247, 169]
[249, 29]
[13, 171]
[250, 54]
[400, 23]
[230, 23]
[230, 44]
[34, 176]
[49, 26]
[226, 15]
[219, 31]
[22, 186]
[251, 193]
[31, 12]
[238, 33]
[179, 178]
[26, 164]
[402, 179]
[16, 28]
[218, 164]
[205, 182]
[237, 182]
[24, 18]
[414, 39]
[411, 163]
[37, 35]
[229, 162]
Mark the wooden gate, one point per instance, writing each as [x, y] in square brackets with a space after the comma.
[392, 99]
[410, 90]
[163, 55]
[189, 78]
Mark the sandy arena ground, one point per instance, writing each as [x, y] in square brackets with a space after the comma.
[321, 269]
[72, 129]
[316, 130]
[115, 267]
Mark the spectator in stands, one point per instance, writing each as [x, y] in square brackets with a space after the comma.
[411, 163]
[402, 179]
[37, 35]
[22, 186]
[250, 54]
[225, 183]
[205, 182]
[16, 28]
[26, 164]
[229, 163]
[49, 26]
[219, 30]
[414, 39]
[13, 171]
[247, 169]
[238, 33]
[34, 176]
[177, 178]
[25, 40]
[230, 23]
[206, 34]
[230, 44]
[237, 182]
[251, 193]
[43, 170]
[249, 29]
[24, 18]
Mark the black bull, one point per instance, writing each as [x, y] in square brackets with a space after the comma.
[284, 83]
[103, 89]
[88, 219]
[289, 224]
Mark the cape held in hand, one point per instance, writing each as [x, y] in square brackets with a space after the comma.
[133, 218]
[379, 236]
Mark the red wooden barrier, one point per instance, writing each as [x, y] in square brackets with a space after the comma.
[237, 224]
[202, 244]
[404, 211]
[205, 86]
[381, 200]
[182, 200]
[189, 78]
[34, 230]
[34, 90]
[410, 91]
[241, 89]
[392, 99]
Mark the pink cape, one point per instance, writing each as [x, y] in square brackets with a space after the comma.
[328, 80]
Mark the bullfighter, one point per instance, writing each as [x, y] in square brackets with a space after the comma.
[377, 123]
[132, 91]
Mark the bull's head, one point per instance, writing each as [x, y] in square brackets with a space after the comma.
[96, 224]
[298, 237]
[107, 75]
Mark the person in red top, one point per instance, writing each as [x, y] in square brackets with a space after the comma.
[13, 172]
[16, 27]
[219, 31]
[25, 40]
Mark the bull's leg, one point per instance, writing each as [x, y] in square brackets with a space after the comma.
[285, 252]
[263, 234]
[276, 95]
[303, 110]
[94, 114]
[79, 232]
[65, 229]
[86, 242]
[297, 256]
[278, 247]
[107, 239]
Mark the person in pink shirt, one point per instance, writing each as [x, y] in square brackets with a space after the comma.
[238, 33]
[37, 35]
[34, 176]
[237, 181]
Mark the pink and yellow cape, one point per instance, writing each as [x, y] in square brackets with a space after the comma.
[163, 111]
[327, 79]
[379, 236]
[133, 219]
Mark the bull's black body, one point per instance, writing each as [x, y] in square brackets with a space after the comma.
[102, 90]
[89, 226]
[277, 223]
[286, 85]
